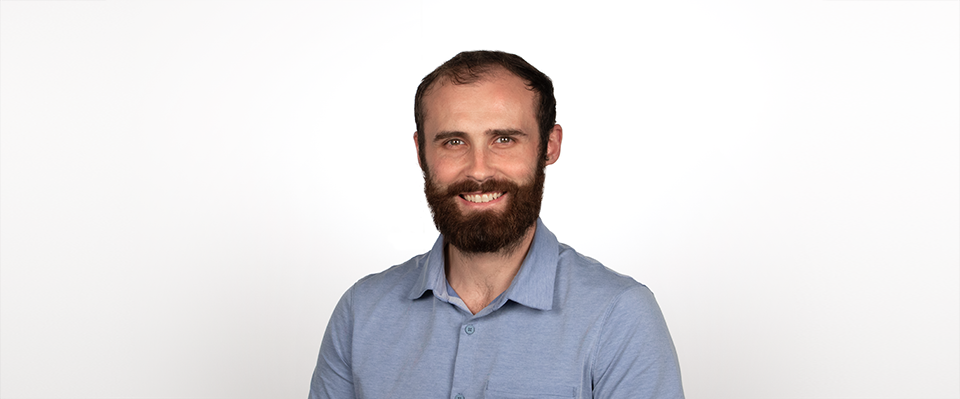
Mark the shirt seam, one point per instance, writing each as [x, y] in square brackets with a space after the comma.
[603, 322]
[353, 317]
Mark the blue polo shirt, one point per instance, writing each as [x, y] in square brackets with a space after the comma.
[567, 327]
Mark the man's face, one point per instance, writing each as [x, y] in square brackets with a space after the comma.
[485, 179]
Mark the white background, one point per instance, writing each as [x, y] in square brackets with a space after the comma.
[188, 187]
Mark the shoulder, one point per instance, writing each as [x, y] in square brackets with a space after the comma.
[634, 354]
[587, 274]
[399, 277]
[584, 284]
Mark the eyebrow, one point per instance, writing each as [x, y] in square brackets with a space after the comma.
[442, 136]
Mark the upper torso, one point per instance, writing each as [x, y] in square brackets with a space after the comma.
[567, 327]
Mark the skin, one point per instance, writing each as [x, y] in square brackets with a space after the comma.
[485, 130]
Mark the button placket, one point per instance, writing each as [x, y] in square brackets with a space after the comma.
[464, 373]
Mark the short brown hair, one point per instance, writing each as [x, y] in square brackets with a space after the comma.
[471, 66]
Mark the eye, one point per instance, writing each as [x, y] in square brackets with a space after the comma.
[454, 142]
[503, 140]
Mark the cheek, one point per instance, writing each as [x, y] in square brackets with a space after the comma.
[523, 164]
[442, 170]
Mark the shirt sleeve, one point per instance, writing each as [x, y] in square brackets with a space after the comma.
[636, 357]
[333, 377]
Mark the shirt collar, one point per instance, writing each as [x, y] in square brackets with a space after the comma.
[432, 276]
[531, 287]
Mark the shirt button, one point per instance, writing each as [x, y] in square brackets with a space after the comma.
[469, 329]
[459, 396]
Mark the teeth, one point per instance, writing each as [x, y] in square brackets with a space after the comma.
[481, 198]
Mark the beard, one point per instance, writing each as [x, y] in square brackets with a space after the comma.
[485, 231]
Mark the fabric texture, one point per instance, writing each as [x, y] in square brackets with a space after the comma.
[567, 327]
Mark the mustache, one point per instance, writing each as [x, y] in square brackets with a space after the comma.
[472, 186]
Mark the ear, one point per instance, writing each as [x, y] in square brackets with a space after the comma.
[553, 144]
[416, 147]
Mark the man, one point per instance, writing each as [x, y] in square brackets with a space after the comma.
[498, 308]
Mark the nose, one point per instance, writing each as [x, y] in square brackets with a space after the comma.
[480, 168]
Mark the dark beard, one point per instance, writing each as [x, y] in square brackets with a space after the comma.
[485, 231]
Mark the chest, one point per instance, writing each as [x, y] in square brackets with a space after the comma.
[433, 349]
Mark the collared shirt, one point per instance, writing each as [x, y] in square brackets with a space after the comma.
[567, 327]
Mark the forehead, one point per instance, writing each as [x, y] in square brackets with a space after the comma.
[499, 97]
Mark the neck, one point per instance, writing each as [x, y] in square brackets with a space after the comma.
[478, 278]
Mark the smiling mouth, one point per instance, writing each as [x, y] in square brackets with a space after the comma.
[481, 198]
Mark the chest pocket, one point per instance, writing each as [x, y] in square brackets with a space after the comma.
[533, 391]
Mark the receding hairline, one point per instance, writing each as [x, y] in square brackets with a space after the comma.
[477, 75]
[480, 75]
